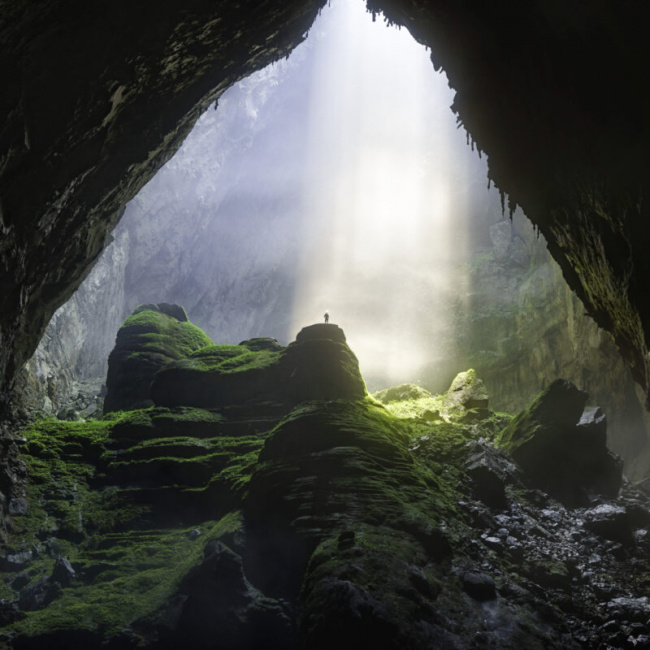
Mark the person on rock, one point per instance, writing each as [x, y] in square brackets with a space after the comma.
[327, 317]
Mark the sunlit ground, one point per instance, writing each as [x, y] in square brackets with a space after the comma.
[383, 239]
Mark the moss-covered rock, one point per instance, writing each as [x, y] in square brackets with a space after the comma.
[318, 365]
[301, 513]
[466, 391]
[401, 393]
[150, 338]
[563, 448]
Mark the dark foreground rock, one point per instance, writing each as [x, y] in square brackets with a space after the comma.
[562, 448]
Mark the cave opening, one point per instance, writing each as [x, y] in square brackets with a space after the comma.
[284, 203]
[256, 493]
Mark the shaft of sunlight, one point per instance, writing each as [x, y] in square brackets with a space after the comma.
[383, 243]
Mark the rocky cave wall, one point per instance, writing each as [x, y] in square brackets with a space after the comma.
[92, 107]
[95, 99]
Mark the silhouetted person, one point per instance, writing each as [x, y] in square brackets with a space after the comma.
[327, 317]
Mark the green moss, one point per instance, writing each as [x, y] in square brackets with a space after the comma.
[417, 407]
[228, 359]
[155, 332]
[144, 571]
[61, 460]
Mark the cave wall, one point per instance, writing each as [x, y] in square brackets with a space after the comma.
[97, 98]
[521, 327]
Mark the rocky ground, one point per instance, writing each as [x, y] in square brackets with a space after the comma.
[286, 508]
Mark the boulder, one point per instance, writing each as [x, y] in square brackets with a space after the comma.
[150, 338]
[479, 586]
[63, 573]
[561, 447]
[466, 391]
[220, 603]
[490, 470]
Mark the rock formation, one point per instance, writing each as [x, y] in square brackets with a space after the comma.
[310, 520]
[152, 337]
[562, 447]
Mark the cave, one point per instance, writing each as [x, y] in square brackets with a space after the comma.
[96, 101]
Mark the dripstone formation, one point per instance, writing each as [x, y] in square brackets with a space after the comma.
[275, 504]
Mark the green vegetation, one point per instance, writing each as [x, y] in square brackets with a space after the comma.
[147, 341]
[153, 332]
[230, 358]
[294, 447]
[137, 572]
[87, 503]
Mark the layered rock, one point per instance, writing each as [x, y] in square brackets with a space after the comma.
[307, 524]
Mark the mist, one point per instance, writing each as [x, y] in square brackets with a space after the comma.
[334, 180]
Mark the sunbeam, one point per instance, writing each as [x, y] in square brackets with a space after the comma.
[383, 235]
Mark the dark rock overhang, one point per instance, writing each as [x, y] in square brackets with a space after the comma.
[96, 97]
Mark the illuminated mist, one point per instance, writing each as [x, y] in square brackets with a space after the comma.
[335, 180]
[384, 238]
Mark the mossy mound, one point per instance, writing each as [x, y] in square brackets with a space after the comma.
[318, 365]
[152, 337]
[295, 511]
[339, 505]
[401, 393]
[132, 501]
[167, 527]
[465, 402]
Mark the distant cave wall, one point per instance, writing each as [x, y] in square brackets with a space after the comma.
[521, 327]
[78, 339]
[97, 97]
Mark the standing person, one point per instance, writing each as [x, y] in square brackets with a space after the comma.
[327, 317]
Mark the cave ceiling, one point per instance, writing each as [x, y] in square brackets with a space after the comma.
[97, 96]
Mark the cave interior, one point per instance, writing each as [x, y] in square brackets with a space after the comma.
[97, 99]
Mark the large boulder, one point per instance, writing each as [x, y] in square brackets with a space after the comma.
[318, 365]
[150, 338]
[562, 447]
[466, 391]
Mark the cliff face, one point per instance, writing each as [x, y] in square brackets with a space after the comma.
[77, 341]
[92, 109]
